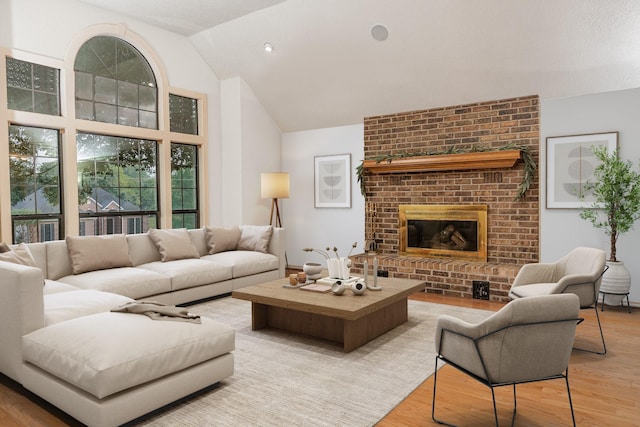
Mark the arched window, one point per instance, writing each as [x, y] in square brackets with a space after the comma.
[117, 180]
[115, 84]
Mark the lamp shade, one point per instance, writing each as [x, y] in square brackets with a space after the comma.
[274, 185]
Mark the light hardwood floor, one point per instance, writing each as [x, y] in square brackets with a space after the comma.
[605, 389]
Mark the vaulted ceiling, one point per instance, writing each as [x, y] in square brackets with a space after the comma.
[328, 70]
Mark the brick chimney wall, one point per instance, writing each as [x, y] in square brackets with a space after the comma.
[512, 226]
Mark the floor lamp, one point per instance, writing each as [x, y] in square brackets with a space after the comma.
[274, 186]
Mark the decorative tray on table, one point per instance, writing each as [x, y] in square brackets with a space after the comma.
[299, 285]
[331, 281]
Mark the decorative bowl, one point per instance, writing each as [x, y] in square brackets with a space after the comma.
[313, 270]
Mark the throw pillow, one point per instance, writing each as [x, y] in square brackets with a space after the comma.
[89, 253]
[4, 247]
[20, 255]
[173, 244]
[255, 238]
[220, 239]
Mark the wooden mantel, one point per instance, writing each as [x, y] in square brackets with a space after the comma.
[439, 162]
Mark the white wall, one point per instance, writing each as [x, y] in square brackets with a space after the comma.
[261, 152]
[251, 146]
[306, 225]
[231, 133]
[563, 229]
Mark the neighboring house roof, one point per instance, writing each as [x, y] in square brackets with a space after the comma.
[39, 198]
[106, 202]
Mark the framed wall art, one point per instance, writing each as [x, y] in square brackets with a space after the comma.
[333, 181]
[570, 165]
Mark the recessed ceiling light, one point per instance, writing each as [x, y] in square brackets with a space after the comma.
[268, 47]
[379, 32]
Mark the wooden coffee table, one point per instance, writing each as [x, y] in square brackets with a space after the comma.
[347, 319]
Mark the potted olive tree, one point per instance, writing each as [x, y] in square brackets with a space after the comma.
[615, 209]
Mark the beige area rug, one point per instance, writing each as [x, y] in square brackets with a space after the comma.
[282, 379]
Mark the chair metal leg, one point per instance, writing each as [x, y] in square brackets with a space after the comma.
[515, 404]
[566, 378]
[493, 397]
[604, 346]
[495, 409]
[433, 402]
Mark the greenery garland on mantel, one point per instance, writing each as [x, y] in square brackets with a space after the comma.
[529, 164]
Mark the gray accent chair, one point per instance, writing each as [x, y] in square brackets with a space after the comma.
[528, 340]
[579, 272]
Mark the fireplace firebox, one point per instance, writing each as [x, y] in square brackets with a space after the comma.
[444, 231]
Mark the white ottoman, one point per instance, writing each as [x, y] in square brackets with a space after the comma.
[108, 354]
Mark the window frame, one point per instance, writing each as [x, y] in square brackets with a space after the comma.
[117, 104]
[176, 96]
[69, 126]
[182, 212]
[40, 217]
[33, 90]
[123, 215]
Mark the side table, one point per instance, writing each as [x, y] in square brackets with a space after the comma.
[604, 294]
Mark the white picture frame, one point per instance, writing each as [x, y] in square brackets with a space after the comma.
[570, 165]
[332, 181]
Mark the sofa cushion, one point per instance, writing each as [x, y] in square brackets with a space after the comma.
[19, 255]
[255, 238]
[533, 290]
[220, 239]
[245, 263]
[198, 240]
[142, 249]
[90, 253]
[62, 306]
[173, 244]
[109, 352]
[188, 273]
[58, 260]
[132, 282]
[54, 287]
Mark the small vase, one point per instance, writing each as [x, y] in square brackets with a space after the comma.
[339, 268]
[617, 281]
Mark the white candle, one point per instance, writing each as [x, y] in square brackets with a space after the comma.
[375, 272]
[366, 272]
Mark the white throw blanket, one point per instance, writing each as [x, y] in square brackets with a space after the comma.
[158, 311]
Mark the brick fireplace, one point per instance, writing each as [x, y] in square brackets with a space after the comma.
[512, 226]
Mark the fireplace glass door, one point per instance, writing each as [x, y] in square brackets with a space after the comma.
[444, 231]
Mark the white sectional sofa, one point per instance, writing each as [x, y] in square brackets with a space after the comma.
[60, 339]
